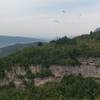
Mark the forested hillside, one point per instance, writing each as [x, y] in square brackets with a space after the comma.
[63, 51]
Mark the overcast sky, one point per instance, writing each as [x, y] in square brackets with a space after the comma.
[48, 18]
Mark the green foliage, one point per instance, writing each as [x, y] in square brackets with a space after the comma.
[42, 55]
[14, 94]
[79, 87]
[63, 51]
[63, 40]
[40, 44]
[44, 73]
[69, 88]
[29, 75]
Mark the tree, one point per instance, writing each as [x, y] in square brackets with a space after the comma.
[40, 43]
[79, 87]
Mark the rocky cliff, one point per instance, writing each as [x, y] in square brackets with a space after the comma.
[18, 75]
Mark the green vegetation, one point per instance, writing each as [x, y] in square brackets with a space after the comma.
[63, 51]
[70, 88]
[79, 87]
[44, 73]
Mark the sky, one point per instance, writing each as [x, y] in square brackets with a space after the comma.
[48, 18]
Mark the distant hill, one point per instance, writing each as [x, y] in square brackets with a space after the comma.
[9, 40]
[5, 51]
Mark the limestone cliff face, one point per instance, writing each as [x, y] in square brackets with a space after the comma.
[17, 75]
[89, 68]
[36, 69]
[15, 71]
[14, 75]
[84, 70]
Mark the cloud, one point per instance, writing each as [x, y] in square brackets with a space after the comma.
[48, 18]
[56, 21]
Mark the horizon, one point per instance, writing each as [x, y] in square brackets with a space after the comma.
[48, 18]
[44, 38]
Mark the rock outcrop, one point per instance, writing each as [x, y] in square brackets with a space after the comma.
[90, 67]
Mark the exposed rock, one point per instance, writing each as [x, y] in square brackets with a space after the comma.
[17, 74]
[4, 82]
[36, 69]
[85, 70]
[41, 81]
[18, 82]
